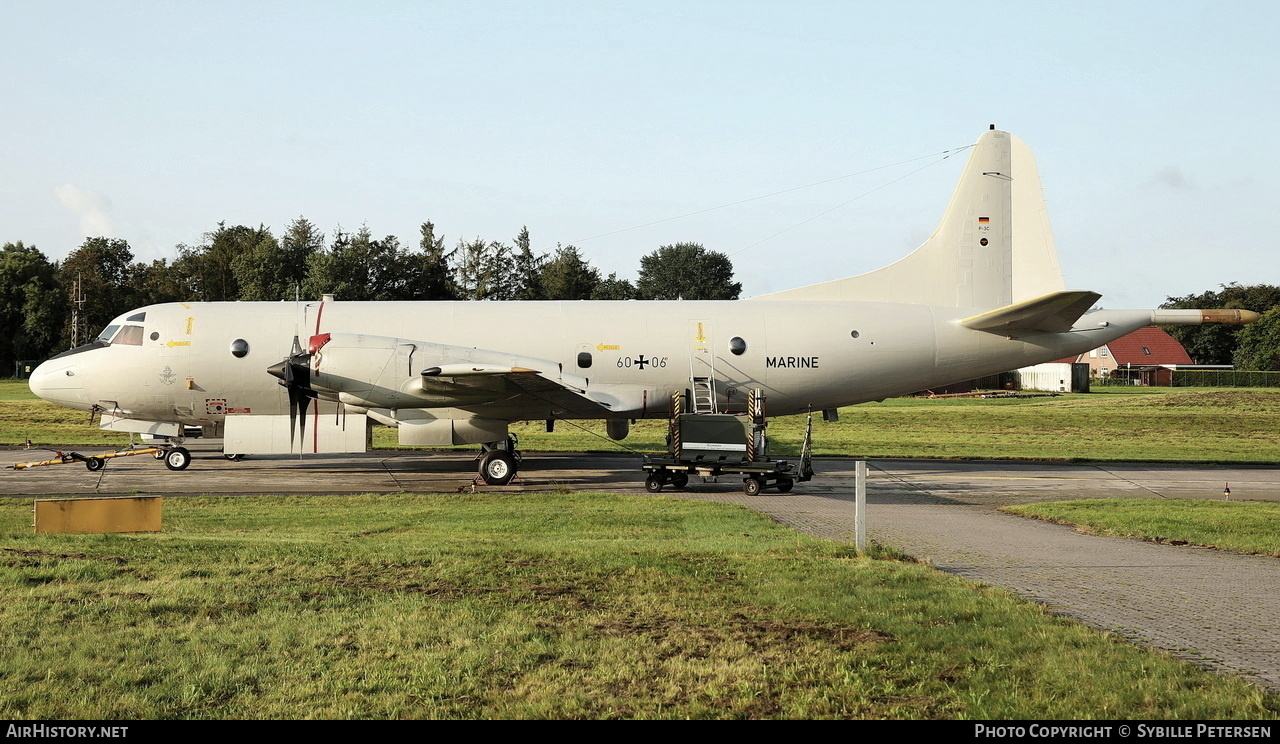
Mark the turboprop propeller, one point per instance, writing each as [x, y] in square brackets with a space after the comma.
[294, 374]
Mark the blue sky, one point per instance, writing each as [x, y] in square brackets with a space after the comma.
[1154, 125]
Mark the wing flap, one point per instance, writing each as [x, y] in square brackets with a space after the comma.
[507, 386]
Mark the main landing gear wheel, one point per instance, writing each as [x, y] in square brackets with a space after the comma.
[177, 459]
[95, 463]
[497, 467]
[234, 458]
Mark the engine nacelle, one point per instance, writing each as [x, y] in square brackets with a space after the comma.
[617, 429]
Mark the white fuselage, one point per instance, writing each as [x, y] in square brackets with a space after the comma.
[804, 355]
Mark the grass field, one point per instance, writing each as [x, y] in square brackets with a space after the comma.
[554, 606]
[600, 606]
[1119, 424]
[1240, 527]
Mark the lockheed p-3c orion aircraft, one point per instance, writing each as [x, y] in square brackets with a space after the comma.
[984, 294]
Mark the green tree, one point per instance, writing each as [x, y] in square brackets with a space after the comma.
[1259, 343]
[207, 269]
[526, 269]
[483, 270]
[1216, 344]
[686, 271]
[32, 305]
[275, 270]
[358, 267]
[156, 282]
[102, 267]
[613, 288]
[433, 279]
[568, 276]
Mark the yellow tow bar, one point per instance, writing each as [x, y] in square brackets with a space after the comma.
[92, 462]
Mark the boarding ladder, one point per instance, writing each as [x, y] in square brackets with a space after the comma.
[702, 375]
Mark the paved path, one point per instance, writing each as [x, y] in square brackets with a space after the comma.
[1212, 607]
[1207, 606]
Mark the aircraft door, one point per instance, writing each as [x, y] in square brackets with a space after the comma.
[702, 372]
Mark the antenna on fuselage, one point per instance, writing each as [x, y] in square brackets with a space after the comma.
[298, 311]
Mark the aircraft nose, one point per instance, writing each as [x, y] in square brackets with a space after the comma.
[59, 382]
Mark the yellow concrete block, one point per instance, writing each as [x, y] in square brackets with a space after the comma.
[114, 514]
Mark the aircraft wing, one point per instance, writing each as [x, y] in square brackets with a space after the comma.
[515, 386]
[385, 372]
[1052, 313]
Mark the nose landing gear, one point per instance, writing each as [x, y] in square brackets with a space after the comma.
[177, 458]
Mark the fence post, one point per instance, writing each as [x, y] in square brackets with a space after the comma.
[860, 506]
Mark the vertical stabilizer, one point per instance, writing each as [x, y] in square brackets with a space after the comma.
[993, 248]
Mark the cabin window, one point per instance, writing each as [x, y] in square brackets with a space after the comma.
[155, 335]
[584, 359]
[737, 345]
[239, 348]
[854, 334]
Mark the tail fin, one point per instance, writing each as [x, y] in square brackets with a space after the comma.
[993, 248]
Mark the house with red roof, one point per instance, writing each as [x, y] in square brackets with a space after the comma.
[1147, 356]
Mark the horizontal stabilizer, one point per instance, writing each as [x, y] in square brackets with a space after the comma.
[1052, 313]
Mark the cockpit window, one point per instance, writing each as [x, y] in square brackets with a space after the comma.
[130, 335]
[137, 318]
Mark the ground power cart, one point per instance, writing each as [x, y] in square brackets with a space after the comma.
[714, 444]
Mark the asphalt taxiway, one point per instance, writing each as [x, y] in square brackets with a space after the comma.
[1208, 606]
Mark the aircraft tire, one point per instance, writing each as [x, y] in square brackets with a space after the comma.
[95, 463]
[177, 458]
[752, 486]
[498, 467]
[653, 484]
[234, 458]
